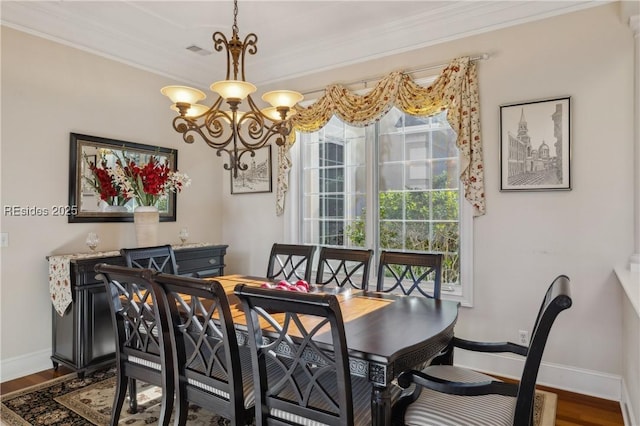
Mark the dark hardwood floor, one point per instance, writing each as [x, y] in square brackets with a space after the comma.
[573, 409]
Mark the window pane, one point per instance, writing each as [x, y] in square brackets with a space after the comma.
[417, 236]
[391, 205]
[418, 205]
[391, 235]
[445, 205]
[391, 176]
[391, 148]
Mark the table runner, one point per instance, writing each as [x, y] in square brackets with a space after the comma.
[60, 273]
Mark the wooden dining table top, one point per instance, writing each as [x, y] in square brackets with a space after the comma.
[379, 327]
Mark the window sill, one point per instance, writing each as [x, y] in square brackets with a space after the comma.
[630, 281]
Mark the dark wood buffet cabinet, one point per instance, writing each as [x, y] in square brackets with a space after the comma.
[83, 338]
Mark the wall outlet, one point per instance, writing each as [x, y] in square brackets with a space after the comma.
[4, 239]
[523, 337]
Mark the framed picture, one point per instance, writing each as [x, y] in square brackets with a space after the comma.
[257, 177]
[535, 145]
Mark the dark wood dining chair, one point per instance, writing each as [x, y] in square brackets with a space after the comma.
[410, 273]
[447, 394]
[291, 262]
[143, 345]
[299, 379]
[158, 258]
[338, 266]
[211, 371]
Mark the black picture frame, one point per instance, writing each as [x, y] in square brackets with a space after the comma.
[535, 145]
[82, 207]
[258, 176]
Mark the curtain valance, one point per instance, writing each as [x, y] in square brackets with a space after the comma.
[454, 90]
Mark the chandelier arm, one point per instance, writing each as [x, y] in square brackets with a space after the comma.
[249, 46]
[220, 43]
[241, 165]
[254, 108]
[266, 134]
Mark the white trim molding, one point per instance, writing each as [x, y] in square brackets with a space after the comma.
[26, 364]
[565, 377]
[634, 259]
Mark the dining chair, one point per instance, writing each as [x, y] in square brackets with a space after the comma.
[299, 378]
[290, 261]
[338, 266]
[447, 394]
[143, 345]
[406, 273]
[158, 258]
[211, 370]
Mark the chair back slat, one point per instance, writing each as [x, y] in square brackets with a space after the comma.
[300, 366]
[159, 258]
[290, 262]
[409, 273]
[339, 267]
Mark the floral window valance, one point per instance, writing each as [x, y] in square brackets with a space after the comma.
[454, 90]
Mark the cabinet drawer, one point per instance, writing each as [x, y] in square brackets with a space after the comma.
[85, 273]
[206, 261]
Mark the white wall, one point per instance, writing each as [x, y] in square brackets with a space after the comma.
[48, 91]
[528, 238]
[522, 243]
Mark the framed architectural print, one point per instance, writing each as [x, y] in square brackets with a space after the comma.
[535, 145]
[257, 177]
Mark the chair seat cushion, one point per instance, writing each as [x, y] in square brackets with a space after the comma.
[439, 409]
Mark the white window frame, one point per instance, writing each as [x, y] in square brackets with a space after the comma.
[293, 231]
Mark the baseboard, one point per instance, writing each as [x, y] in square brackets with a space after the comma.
[23, 365]
[587, 382]
[629, 415]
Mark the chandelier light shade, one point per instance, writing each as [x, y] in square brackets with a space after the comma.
[183, 94]
[240, 127]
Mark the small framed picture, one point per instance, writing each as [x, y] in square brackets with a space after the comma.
[257, 177]
[535, 145]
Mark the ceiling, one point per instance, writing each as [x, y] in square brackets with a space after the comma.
[295, 38]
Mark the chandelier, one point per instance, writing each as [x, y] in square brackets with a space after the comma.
[228, 128]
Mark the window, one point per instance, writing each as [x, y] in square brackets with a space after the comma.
[412, 166]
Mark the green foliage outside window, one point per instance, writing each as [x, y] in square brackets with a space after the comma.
[417, 221]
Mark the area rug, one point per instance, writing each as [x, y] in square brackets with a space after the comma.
[70, 401]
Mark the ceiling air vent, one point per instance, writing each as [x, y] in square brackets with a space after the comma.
[199, 50]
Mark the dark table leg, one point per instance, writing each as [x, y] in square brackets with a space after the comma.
[380, 406]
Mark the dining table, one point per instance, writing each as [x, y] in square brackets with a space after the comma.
[386, 333]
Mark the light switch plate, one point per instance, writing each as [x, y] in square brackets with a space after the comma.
[4, 239]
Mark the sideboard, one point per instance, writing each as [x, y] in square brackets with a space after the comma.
[83, 337]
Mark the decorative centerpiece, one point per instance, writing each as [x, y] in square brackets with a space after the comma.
[147, 184]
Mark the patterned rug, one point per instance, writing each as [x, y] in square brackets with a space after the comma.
[70, 401]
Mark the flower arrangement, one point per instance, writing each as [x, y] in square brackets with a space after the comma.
[103, 183]
[125, 180]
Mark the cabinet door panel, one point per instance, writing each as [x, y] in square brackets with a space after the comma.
[101, 336]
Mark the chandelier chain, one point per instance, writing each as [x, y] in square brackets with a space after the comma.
[235, 17]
